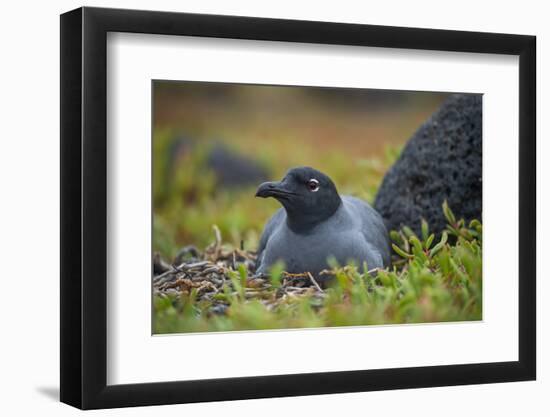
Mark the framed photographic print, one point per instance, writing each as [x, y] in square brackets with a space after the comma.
[258, 207]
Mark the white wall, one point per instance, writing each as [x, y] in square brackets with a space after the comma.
[30, 202]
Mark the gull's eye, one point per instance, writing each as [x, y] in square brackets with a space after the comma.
[313, 185]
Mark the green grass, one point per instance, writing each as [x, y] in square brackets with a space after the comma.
[430, 281]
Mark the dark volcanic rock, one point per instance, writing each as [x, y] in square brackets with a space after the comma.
[231, 169]
[441, 161]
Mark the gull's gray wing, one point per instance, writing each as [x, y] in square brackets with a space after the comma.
[372, 227]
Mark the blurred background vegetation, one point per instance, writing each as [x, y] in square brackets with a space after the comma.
[213, 143]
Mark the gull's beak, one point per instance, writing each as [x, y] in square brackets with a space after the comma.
[273, 189]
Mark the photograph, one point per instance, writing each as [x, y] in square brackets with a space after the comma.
[291, 207]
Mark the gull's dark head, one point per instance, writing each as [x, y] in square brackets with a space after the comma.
[308, 196]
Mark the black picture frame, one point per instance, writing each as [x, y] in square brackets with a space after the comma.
[84, 207]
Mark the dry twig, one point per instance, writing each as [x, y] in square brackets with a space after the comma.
[314, 282]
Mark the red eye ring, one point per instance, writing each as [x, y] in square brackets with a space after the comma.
[313, 185]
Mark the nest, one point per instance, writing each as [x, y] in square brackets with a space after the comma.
[208, 275]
